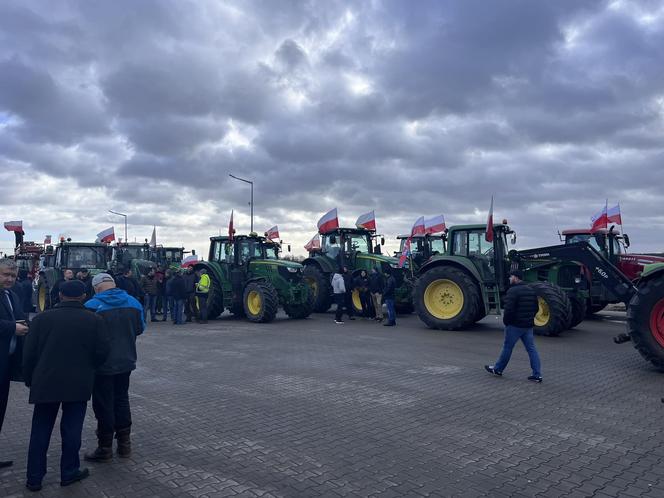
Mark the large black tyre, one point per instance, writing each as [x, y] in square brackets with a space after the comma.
[578, 310]
[215, 298]
[320, 288]
[553, 315]
[645, 321]
[260, 301]
[446, 298]
[43, 299]
[298, 311]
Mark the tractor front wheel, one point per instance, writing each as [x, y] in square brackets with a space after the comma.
[645, 321]
[261, 302]
[320, 288]
[446, 298]
[553, 315]
[298, 311]
[578, 310]
[43, 297]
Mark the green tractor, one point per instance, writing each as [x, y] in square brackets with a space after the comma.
[353, 248]
[422, 247]
[167, 256]
[132, 256]
[75, 256]
[469, 279]
[248, 279]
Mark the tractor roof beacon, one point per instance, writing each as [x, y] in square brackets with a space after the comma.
[248, 279]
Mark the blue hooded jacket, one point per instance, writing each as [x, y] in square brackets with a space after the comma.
[123, 315]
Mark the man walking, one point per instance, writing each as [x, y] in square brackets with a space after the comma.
[519, 318]
[202, 291]
[123, 316]
[65, 346]
[12, 331]
[376, 284]
[339, 292]
[150, 288]
[388, 296]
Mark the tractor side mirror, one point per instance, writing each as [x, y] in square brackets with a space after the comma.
[289, 248]
[626, 239]
[377, 250]
[193, 252]
[513, 240]
[382, 241]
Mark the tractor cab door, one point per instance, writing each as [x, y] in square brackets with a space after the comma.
[353, 244]
[473, 245]
[331, 247]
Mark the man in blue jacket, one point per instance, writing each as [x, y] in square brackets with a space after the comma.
[124, 319]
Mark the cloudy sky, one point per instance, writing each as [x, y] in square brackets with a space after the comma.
[408, 108]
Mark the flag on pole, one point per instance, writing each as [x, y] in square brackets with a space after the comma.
[153, 239]
[14, 226]
[231, 230]
[272, 233]
[328, 222]
[488, 236]
[435, 224]
[47, 240]
[405, 253]
[613, 215]
[600, 220]
[367, 220]
[189, 261]
[313, 244]
[418, 227]
[107, 235]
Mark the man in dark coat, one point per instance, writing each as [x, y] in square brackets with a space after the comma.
[55, 290]
[86, 278]
[150, 288]
[348, 299]
[190, 293]
[110, 396]
[23, 289]
[519, 313]
[129, 284]
[65, 346]
[388, 297]
[12, 332]
[178, 295]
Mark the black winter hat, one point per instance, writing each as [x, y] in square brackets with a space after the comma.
[72, 288]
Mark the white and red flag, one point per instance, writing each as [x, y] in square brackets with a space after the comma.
[47, 240]
[613, 215]
[272, 233]
[328, 222]
[189, 261]
[405, 253]
[435, 224]
[418, 227]
[489, 224]
[600, 220]
[107, 235]
[313, 244]
[231, 230]
[14, 226]
[367, 220]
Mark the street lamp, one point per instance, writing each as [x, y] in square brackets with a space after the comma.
[252, 197]
[125, 217]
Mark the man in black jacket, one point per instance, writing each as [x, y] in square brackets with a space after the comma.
[12, 332]
[65, 346]
[388, 297]
[519, 318]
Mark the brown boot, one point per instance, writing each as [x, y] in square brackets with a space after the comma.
[104, 450]
[124, 442]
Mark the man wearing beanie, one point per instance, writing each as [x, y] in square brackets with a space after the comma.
[519, 318]
[124, 320]
[64, 347]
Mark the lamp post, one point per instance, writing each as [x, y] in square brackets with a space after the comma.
[125, 217]
[252, 197]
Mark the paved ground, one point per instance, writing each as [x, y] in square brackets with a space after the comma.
[310, 408]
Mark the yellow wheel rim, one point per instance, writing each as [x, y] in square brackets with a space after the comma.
[313, 285]
[357, 302]
[254, 302]
[42, 298]
[443, 299]
[543, 313]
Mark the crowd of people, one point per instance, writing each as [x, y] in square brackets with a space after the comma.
[372, 289]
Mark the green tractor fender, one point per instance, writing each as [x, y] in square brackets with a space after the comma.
[325, 264]
[457, 261]
[212, 269]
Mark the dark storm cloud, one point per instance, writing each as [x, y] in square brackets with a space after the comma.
[406, 108]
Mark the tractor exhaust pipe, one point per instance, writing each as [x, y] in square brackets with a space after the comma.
[622, 338]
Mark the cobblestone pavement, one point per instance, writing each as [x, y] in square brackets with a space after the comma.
[309, 408]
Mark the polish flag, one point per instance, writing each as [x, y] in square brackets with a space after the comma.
[14, 226]
[189, 261]
[489, 224]
[313, 244]
[405, 253]
[367, 220]
[272, 233]
[418, 227]
[107, 235]
[435, 224]
[613, 215]
[231, 230]
[47, 239]
[600, 220]
[328, 222]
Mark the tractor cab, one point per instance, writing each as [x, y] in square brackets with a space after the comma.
[611, 244]
[422, 247]
[166, 256]
[344, 245]
[77, 256]
[132, 256]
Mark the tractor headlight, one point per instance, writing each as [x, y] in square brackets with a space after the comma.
[292, 270]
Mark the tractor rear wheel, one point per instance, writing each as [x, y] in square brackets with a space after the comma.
[645, 321]
[578, 310]
[43, 297]
[298, 311]
[320, 288]
[261, 302]
[446, 298]
[553, 315]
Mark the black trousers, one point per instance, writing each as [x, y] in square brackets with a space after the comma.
[4, 393]
[202, 305]
[350, 310]
[340, 301]
[71, 427]
[110, 402]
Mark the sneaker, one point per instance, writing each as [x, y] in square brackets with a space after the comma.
[339, 322]
[492, 370]
[34, 487]
[535, 378]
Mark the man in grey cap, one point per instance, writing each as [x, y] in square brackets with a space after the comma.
[123, 315]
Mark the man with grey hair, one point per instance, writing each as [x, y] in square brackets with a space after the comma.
[13, 328]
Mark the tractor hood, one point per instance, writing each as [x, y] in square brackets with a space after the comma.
[381, 258]
[277, 262]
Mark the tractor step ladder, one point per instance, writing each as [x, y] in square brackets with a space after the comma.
[493, 298]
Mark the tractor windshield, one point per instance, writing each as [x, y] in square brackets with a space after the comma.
[586, 237]
[136, 252]
[331, 245]
[436, 246]
[271, 251]
[357, 243]
[85, 257]
[173, 255]
[249, 248]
